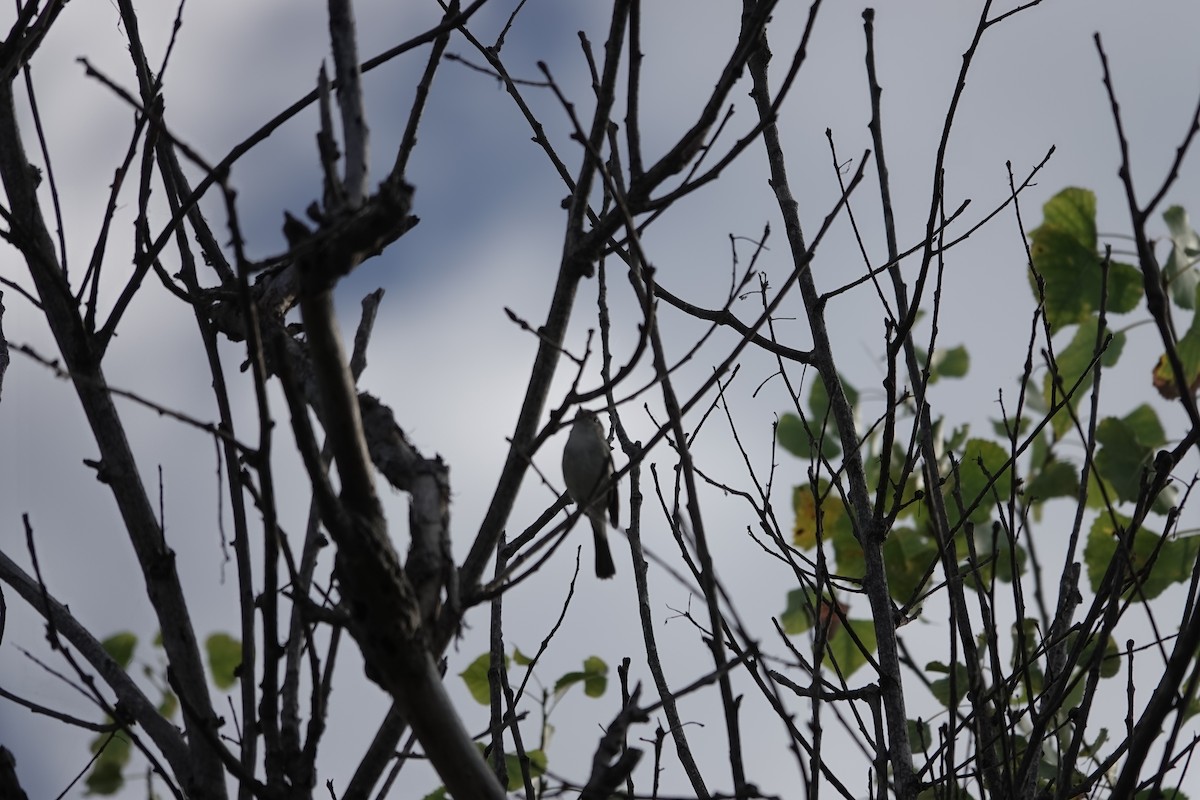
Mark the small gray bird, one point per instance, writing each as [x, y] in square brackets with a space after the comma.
[587, 467]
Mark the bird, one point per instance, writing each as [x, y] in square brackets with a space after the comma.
[587, 468]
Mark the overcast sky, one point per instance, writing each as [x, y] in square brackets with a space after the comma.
[453, 367]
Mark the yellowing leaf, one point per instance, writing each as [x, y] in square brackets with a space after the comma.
[830, 508]
[224, 659]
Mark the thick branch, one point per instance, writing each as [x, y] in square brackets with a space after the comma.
[118, 468]
[137, 707]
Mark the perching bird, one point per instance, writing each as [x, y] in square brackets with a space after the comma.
[587, 468]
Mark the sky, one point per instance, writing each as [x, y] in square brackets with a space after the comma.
[452, 365]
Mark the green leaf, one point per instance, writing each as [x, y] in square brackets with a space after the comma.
[919, 735]
[1128, 446]
[907, 555]
[1055, 479]
[797, 439]
[1064, 251]
[1101, 547]
[568, 680]
[1192, 708]
[848, 558]
[980, 462]
[594, 678]
[224, 659]
[801, 441]
[1074, 361]
[953, 362]
[1179, 272]
[1121, 457]
[845, 651]
[475, 676]
[520, 658]
[537, 767]
[957, 438]
[999, 564]
[1073, 211]
[941, 686]
[1124, 287]
[799, 612]
[1096, 746]
[120, 647]
[168, 705]
[805, 607]
[1143, 421]
[112, 756]
[1172, 564]
[1026, 637]
[1003, 430]
[597, 676]
[1110, 663]
[818, 398]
